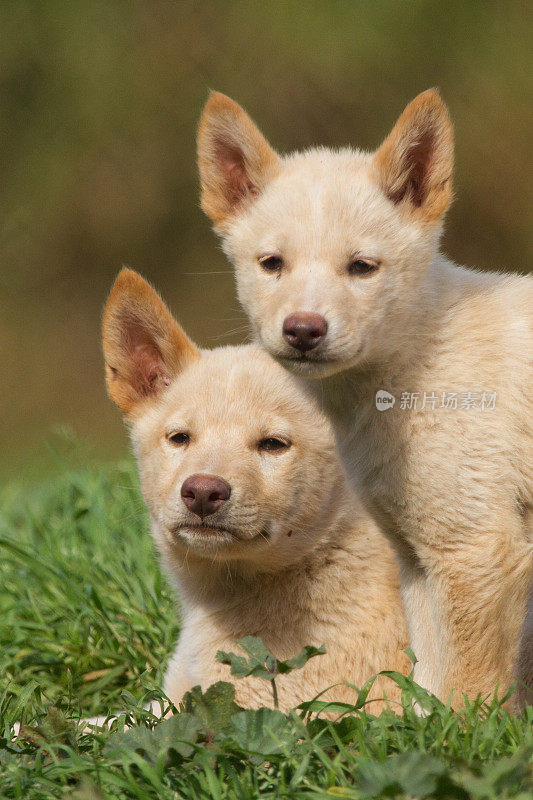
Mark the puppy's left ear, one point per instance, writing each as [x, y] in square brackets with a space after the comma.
[144, 347]
[414, 164]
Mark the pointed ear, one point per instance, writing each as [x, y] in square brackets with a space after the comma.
[235, 160]
[144, 347]
[415, 162]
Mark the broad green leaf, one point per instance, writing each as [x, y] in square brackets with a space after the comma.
[413, 773]
[300, 659]
[138, 739]
[253, 646]
[264, 732]
[239, 666]
[261, 663]
[178, 733]
[242, 668]
[213, 708]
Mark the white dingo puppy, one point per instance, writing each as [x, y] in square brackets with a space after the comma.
[251, 510]
[425, 367]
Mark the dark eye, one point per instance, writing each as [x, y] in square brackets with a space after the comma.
[362, 267]
[273, 444]
[178, 438]
[271, 263]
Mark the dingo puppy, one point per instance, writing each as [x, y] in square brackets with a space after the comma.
[425, 367]
[250, 508]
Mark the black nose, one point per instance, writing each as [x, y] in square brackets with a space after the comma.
[304, 330]
[204, 494]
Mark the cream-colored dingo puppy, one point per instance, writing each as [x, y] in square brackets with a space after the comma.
[425, 367]
[250, 508]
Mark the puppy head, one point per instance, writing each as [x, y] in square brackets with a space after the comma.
[330, 247]
[235, 461]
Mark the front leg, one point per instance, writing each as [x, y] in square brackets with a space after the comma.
[423, 638]
[178, 678]
[477, 586]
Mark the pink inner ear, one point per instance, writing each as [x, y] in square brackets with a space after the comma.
[416, 166]
[238, 181]
[420, 156]
[147, 367]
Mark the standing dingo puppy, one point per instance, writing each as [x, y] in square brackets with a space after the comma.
[250, 508]
[425, 367]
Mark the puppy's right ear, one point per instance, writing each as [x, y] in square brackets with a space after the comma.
[235, 160]
[144, 347]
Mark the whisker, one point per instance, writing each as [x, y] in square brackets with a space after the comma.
[214, 272]
[228, 333]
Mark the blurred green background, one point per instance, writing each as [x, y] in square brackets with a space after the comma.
[99, 103]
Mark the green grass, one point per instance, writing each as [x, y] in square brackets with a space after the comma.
[86, 624]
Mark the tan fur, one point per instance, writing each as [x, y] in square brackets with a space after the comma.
[452, 489]
[304, 564]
